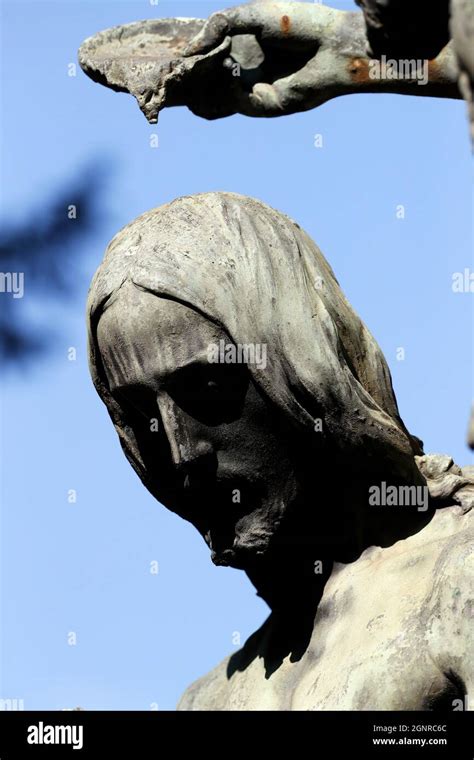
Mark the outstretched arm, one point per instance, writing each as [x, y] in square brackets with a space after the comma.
[259, 59]
[311, 53]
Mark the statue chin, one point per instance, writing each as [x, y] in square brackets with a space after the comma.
[226, 558]
[239, 552]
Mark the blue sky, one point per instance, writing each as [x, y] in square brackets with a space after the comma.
[85, 567]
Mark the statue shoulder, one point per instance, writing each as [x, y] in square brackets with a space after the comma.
[449, 607]
[452, 534]
[213, 691]
[208, 692]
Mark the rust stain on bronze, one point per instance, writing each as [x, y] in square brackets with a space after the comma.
[285, 24]
[359, 70]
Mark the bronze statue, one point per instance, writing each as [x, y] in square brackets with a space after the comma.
[297, 468]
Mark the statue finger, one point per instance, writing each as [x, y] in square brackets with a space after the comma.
[238, 20]
[290, 94]
[297, 23]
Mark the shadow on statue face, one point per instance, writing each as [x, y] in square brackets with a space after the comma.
[214, 450]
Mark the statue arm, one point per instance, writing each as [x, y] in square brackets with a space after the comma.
[333, 47]
[209, 692]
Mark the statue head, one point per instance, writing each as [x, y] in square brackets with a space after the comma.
[247, 395]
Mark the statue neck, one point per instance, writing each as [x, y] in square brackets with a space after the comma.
[292, 576]
[290, 582]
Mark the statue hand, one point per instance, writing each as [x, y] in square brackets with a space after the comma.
[300, 45]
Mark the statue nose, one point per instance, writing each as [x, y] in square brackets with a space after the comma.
[189, 451]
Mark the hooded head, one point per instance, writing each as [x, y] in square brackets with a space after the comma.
[245, 391]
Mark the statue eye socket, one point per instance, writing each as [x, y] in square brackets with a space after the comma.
[138, 403]
[211, 393]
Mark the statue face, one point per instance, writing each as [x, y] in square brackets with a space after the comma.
[215, 450]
